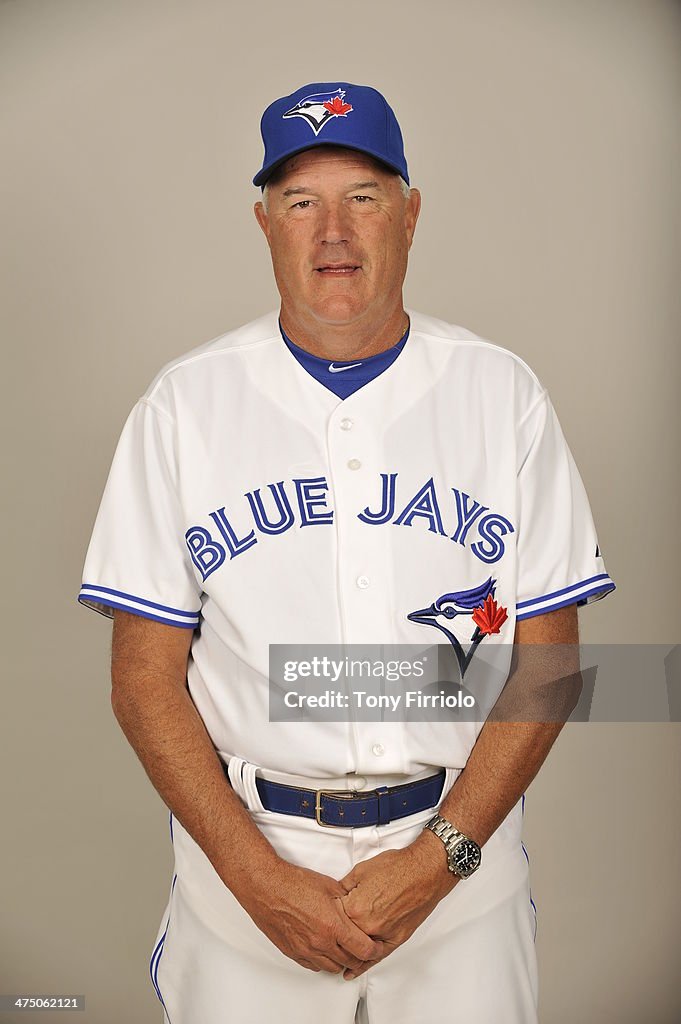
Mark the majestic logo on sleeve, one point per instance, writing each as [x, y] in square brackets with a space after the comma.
[318, 108]
[477, 603]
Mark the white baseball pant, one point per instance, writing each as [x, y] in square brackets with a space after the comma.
[472, 960]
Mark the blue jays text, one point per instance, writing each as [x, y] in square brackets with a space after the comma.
[303, 500]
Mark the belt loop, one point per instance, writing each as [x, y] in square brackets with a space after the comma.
[254, 801]
[383, 805]
[242, 777]
[235, 769]
[451, 775]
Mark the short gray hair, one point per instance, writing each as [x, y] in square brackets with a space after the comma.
[404, 189]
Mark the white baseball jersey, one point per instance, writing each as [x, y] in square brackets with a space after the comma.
[248, 502]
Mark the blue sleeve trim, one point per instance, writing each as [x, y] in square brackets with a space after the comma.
[581, 598]
[99, 600]
[565, 590]
[138, 600]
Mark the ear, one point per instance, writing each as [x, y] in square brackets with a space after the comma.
[262, 218]
[412, 213]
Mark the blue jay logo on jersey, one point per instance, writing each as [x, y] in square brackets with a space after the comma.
[318, 108]
[478, 603]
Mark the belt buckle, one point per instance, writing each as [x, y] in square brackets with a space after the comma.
[345, 794]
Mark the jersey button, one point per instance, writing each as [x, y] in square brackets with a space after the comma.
[378, 749]
[362, 582]
[354, 464]
[346, 423]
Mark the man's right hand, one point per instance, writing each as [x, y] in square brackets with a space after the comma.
[301, 912]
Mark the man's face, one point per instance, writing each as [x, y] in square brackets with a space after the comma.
[339, 230]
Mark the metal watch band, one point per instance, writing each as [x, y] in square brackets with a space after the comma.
[445, 831]
[451, 837]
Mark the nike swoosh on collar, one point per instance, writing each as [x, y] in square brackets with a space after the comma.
[339, 369]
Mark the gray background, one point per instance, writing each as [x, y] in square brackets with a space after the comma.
[545, 138]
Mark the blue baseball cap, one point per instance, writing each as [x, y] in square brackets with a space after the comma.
[331, 114]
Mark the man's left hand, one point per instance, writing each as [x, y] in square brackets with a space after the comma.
[391, 894]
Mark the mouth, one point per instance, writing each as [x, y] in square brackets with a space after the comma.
[339, 269]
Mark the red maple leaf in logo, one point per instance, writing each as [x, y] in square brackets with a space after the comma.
[489, 617]
[338, 107]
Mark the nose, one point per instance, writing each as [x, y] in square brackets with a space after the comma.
[334, 226]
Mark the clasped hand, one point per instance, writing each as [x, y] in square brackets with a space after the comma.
[350, 924]
[391, 894]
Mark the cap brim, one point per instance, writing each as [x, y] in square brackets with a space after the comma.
[266, 172]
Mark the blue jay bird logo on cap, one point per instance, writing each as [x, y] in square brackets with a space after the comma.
[318, 108]
[479, 603]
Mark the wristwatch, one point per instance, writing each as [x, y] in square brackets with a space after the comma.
[463, 854]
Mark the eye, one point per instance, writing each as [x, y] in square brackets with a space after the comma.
[302, 205]
[363, 199]
[449, 612]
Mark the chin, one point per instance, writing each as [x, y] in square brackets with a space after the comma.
[338, 309]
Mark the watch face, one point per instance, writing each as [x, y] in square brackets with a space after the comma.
[466, 858]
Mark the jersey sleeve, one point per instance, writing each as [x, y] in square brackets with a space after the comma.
[137, 558]
[559, 559]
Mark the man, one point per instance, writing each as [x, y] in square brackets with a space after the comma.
[343, 473]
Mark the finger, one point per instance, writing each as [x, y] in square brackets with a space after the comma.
[325, 963]
[308, 965]
[349, 974]
[353, 938]
[349, 961]
[348, 881]
[357, 942]
[336, 888]
[385, 949]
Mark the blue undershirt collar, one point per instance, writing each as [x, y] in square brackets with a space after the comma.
[344, 377]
